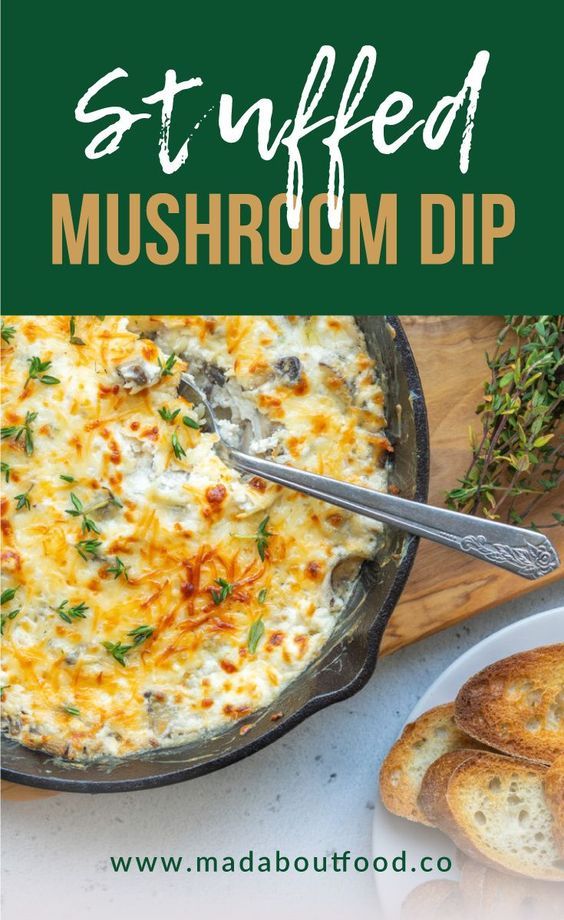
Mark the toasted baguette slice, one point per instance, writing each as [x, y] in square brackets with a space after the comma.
[432, 734]
[493, 895]
[438, 899]
[554, 791]
[472, 880]
[498, 813]
[432, 796]
[517, 705]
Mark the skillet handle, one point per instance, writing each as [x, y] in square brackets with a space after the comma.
[525, 552]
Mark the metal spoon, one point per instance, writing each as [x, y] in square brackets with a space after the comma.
[525, 552]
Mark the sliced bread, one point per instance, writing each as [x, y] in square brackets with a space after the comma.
[554, 791]
[498, 812]
[517, 705]
[431, 735]
[493, 895]
[432, 795]
[438, 899]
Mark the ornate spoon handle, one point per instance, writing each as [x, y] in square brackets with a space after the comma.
[525, 552]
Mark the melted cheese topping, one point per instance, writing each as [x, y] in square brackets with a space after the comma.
[172, 525]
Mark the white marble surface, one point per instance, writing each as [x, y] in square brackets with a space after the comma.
[310, 793]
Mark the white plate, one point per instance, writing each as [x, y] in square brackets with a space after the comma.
[391, 835]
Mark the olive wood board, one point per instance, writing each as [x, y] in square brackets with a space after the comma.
[445, 586]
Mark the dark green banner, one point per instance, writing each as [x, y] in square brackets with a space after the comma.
[429, 129]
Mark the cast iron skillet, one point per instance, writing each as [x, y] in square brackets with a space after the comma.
[349, 657]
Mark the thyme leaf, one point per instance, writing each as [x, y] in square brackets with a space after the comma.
[7, 333]
[8, 595]
[36, 372]
[15, 432]
[226, 588]
[518, 457]
[256, 633]
[179, 451]
[88, 525]
[88, 548]
[119, 650]
[8, 616]
[190, 422]
[22, 500]
[262, 537]
[141, 633]
[68, 614]
[118, 568]
[166, 368]
[167, 415]
[73, 338]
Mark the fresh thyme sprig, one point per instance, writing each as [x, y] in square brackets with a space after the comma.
[518, 458]
[88, 525]
[225, 589]
[119, 650]
[22, 500]
[7, 596]
[37, 369]
[167, 415]
[7, 333]
[73, 338]
[102, 501]
[118, 568]
[7, 616]
[141, 633]
[262, 537]
[179, 451]
[5, 468]
[166, 368]
[88, 548]
[15, 432]
[68, 614]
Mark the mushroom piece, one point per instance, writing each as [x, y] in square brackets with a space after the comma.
[207, 375]
[344, 573]
[137, 374]
[158, 711]
[214, 374]
[290, 368]
[104, 504]
[336, 383]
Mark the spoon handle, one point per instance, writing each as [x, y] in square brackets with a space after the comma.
[524, 552]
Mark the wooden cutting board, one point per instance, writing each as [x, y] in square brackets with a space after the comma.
[445, 586]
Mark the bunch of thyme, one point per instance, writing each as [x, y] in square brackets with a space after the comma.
[518, 458]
